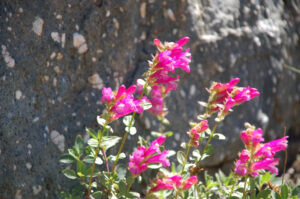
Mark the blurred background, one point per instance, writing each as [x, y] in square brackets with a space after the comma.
[51, 85]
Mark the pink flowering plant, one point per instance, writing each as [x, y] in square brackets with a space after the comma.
[100, 175]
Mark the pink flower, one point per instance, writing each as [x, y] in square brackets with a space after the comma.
[162, 185]
[241, 95]
[258, 156]
[174, 182]
[265, 164]
[144, 156]
[240, 168]
[139, 86]
[269, 149]
[252, 137]
[188, 183]
[176, 179]
[244, 156]
[225, 96]
[107, 95]
[157, 101]
[122, 102]
[195, 132]
[171, 56]
[126, 106]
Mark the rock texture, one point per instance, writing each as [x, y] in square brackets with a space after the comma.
[57, 55]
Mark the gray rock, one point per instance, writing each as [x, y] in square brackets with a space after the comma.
[51, 89]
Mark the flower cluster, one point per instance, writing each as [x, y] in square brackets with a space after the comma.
[170, 56]
[122, 102]
[173, 182]
[258, 156]
[151, 155]
[225, 96]
[195, 132]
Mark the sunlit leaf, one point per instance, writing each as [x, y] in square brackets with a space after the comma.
[69, 173]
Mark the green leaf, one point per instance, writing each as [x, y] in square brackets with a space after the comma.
[209, 150]
[90, 159]
[113, 157]
[72, 153]
[146, 105]
[79, 145]
[296, 191]
[265, 178]
[100, 121]
[168, 133]
[132, 130]
[109, 141]
[171, 153]
[180, 157]
[80, 166]
[204, 156]
[275, 195]
[91, 132]
[142, 141]
[69, 173]
[87, 172]
[155, 134]
[154, 166]
[133, 195]
[93, 142]
[166, 121]
[127, 119]
[67, 159]
[263, 194]
[183, 145]
[204, 104]
[122, 188]
[196, 154]
[77, 192]
[165, 171]
[97, 195]
[219, 136]
[208, 131]
[121, 170]
[284, 191]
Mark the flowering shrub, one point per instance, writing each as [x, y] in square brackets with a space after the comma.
[249, 179]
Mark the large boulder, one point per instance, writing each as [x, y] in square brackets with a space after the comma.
[57, 55]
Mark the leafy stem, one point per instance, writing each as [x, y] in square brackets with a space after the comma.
[186, 155]
[123, 142]
[105, 159]
[95, 157]
[126, 132]
[245, 186]
[207, 143]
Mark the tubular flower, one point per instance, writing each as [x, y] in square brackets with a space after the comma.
[195, 132]
[258, 156]
[122, 102]
[157, 101]
[170, 57]
[188, 183]
[225, 96]
[242, 163]
[144, 156]
[265, 164]
[269, 149]
[173, 182]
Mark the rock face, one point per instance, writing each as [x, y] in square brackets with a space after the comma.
[57, 55]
